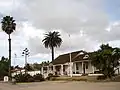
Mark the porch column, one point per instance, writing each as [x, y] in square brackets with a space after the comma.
[42, 70]
[47, 69]
[50, 69]
[93, 69]
[75, 67]
[54, 69]
[118, 71]
[61, 69]
[82, 67]
[71, 67]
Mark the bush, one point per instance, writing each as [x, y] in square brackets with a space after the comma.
[97, 72]
[50, 75]
[31, 79]
[1, 78]
[23, 78]
[28, 78]
[101, 77]
[38, 77]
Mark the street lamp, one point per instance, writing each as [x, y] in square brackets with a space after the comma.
[26, 54]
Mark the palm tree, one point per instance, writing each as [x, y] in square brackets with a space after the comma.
[8, 26]
[51, 40]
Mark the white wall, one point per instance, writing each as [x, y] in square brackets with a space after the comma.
[90, 69]
[80, 70]
[79, 67]
[32, 73]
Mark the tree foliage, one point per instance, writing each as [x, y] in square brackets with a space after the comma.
[106, 59]
[52, 39]
[8, 24]
[28, 67]
[4, 66]
[37, 66]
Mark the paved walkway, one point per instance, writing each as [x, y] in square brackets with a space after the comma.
[62, 86]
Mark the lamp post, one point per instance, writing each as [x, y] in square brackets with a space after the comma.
[26, 54]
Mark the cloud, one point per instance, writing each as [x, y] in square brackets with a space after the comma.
[36, 46]
[85, 20]
[69, 15]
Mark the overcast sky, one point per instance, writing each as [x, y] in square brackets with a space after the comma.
[88, 22]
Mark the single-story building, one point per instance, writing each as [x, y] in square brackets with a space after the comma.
[70, 64]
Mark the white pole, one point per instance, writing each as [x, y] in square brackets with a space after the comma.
[15, 59]
[70, 66]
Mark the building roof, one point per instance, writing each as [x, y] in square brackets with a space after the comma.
[75, 56]
[15, 70]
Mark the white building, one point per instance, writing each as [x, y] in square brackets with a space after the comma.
[71, 64]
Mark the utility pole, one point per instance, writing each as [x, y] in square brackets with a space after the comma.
[26, 54]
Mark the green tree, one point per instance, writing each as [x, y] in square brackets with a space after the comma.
[106, 59]
[51, 40]
[37, 66]
[17, 67]
[28, 67]
[4, 67]
[8, 26]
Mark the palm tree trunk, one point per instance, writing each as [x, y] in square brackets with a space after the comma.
[52, 53]
[9, 57]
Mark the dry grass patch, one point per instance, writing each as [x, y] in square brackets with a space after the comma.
[80, 78]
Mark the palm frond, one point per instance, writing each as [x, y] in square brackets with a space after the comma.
[8, 24]
[52, 39]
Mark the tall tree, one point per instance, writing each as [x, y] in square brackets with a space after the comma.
[106, 59]
[8, 26]
[51, 40]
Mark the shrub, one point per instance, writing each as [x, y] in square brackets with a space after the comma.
[97, 72]
[1, 78]
[31, 79]
[101, 77]
[50, 76]
[28, 78]
[23, 78]
[38, 77]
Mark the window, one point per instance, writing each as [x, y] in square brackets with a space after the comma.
[86, 56]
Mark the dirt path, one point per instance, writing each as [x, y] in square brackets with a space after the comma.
[62, 86]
